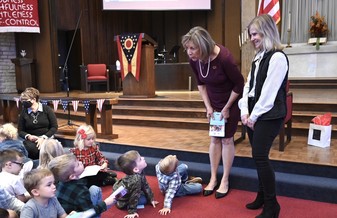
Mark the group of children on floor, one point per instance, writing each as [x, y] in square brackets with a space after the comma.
[55, 188]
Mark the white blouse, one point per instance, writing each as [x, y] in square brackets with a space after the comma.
[277, 71]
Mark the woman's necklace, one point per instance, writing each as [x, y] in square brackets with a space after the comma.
[201, 73]
[35, 121]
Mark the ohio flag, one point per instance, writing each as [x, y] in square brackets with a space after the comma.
[129, 52]
[271, 7]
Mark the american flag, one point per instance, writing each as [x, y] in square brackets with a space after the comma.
[271, 7]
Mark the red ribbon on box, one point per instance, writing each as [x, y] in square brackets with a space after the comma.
[323, 120]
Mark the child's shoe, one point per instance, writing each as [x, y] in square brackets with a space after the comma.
[109, 180]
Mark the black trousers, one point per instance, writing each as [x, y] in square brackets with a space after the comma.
[261, 140]
[33, 151]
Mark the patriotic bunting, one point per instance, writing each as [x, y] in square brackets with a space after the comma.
[17, 100]
[271, 7]
[86, 104]
[44, 102]
[55, 104]
[129, 52]
[64, 105]
[100, 104]
[75, 105]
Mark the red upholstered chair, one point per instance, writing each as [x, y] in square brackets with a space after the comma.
[96, 73]
[286, 128]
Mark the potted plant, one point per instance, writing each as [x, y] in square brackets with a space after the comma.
[318, 30]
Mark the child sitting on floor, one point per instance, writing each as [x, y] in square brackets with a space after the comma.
[9, 140]
[11, 162]
[173, 181]
[40, 185]
[89, 154]
[138, 189]
[72, 192]
[10, 203]
[49, 149]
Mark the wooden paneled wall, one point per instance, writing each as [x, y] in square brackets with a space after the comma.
[97, 30]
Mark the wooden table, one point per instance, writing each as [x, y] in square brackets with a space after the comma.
[11, 113]
[106, 118]
[9, 109]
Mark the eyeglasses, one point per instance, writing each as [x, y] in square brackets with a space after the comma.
[18, 163]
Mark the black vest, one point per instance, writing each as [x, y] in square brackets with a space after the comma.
[279, 110]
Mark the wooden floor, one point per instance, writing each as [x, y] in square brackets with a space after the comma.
[198, 140]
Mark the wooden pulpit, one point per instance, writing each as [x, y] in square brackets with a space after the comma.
[24, 73]
[145, 87]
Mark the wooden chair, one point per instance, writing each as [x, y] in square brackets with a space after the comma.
[96, 73]
[286, 128]
[286, 131]
[242, 136]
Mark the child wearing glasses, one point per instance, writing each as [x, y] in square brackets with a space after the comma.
[11, 162]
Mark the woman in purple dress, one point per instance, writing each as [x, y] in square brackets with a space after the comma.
[220, 85]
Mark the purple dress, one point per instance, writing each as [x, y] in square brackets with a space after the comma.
[223, 78]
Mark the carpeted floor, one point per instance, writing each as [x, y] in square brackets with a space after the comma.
[232, 206]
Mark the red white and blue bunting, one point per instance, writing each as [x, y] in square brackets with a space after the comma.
[65, 104]
[75, 105]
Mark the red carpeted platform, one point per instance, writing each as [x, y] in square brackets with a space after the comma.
[232, 206]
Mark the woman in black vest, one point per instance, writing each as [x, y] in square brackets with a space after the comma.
[263, 107]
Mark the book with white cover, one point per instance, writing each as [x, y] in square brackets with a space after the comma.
[217, 126]
[120, 192]
[90, 171]
[86, 214]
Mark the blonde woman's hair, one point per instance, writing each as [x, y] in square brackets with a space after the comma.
[168, 165]
[8, 131]
[63, 166]
[266, 27]
[83, 132]
[201, 39]
[32, 179]
[30, 93]
[127, 162]
[49, 149]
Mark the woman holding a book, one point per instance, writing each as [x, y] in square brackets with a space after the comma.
[220, 85]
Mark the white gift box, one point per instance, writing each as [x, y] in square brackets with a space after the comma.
[319, 135]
